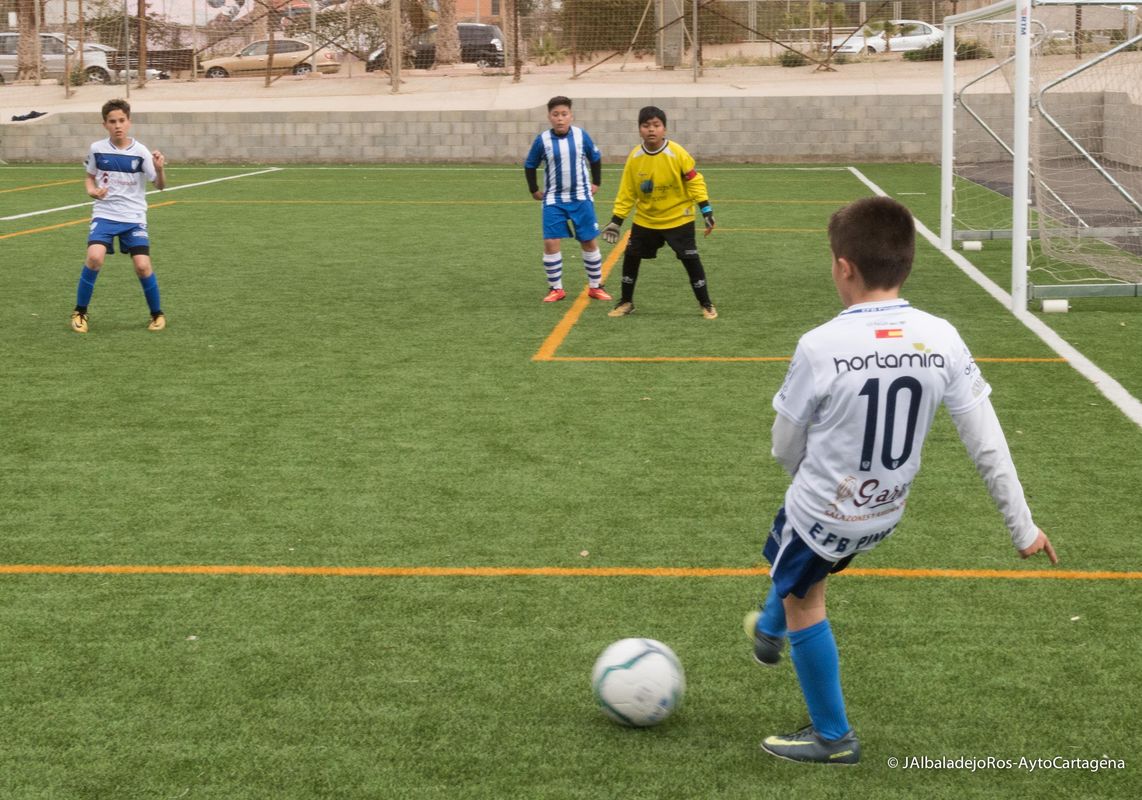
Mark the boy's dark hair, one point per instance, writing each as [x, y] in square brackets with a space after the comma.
[647, 113]
[878, 237]
[558, 100]
[118, 104]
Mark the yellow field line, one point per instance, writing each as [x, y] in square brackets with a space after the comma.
[836, 203]
[72, 222]
[358, 202]
[559, 333]
[770, 230]
[547, 350]
[39, 186]
[731, 359]
[550, 572]
[665, 359]
[45, 228]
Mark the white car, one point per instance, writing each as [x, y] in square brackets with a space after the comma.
[54, 52]
[152, 74]
[907, 34]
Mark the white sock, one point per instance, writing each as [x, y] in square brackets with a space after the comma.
[553, 266]
[593, 263]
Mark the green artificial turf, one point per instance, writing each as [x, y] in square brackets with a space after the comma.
[347, 379]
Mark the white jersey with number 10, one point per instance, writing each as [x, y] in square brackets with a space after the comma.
[868, 384]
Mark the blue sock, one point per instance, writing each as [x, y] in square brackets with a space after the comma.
[772, 619]
[814, 652]
[151, 292]
[86, 286]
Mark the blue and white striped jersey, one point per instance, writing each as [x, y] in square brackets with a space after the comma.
[567, 159]
[125, 173]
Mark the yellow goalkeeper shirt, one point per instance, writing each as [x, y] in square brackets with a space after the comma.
[662, 187]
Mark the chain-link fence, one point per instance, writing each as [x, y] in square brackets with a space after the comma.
[113, 40]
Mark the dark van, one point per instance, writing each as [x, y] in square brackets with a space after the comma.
[480, 44]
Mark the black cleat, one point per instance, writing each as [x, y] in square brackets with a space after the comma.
[807, 746]
[766, 649]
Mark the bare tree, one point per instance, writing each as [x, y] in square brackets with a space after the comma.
[447, 34]
[509, 23]
[29, 55]
[261, 15]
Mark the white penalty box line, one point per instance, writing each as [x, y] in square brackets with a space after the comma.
[1111, 389]
[153, 191]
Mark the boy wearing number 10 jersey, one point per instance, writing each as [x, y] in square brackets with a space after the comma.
[857, 402]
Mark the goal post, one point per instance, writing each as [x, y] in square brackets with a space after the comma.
[1039, 144]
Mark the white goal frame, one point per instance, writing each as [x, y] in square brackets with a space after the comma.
[1021, 14]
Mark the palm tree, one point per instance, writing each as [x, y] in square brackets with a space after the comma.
[447, 34]
[29, 55]
[890, 29]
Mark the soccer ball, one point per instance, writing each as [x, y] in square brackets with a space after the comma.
[638, 682]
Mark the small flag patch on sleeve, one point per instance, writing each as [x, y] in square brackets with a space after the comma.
[889, 333]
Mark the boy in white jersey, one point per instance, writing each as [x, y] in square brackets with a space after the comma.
[852, 414]
[118, 169]
[572, 175]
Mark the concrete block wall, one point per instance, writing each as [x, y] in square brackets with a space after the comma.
[732, 128]
[1123, 120]
[1107, 124]
[1081, 115]
[712, 128]
[973, 143]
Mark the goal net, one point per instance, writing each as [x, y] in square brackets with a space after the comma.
[1081, 162]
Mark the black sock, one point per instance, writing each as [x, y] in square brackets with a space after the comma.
[631, 264]
[697, 275]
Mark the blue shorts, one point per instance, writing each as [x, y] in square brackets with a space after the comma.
[132, 236]
[795, 567]
[570, 220]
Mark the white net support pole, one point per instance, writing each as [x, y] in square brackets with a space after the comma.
[948, 116]
[947, 133]
[1021, 128]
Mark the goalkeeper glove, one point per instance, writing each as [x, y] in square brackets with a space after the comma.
[708, 216]
[611, 232]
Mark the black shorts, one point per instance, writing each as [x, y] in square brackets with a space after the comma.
[646, 242]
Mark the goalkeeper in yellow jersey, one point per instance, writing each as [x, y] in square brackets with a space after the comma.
[661, 183]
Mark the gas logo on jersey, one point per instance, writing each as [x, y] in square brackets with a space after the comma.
[868, 493]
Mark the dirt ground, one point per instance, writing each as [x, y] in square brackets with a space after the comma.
[467, 87]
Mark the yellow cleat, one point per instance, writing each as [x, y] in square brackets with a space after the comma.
[621, 310]
[709, 312]
[79, 321]
[158, 322]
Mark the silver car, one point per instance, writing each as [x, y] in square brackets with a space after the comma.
[55, 52]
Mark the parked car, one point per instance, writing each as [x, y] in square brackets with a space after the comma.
[479, 44]
[290, 55]
[293, 8]
[152, 74]
[909, 34]
[301, 8]
[55, 52]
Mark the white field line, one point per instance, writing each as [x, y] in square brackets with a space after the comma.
[154, 191]
[1111, 389]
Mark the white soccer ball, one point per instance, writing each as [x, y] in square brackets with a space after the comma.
[638, 682]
